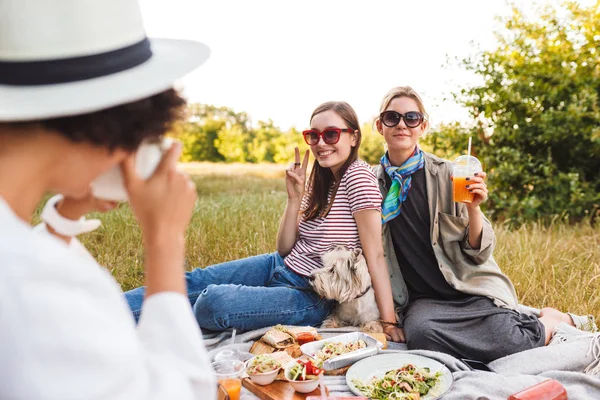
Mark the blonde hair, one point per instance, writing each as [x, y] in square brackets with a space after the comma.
[403, 91]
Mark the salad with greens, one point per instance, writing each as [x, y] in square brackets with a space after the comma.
[262, 364]
[304, 371]
[406, 383]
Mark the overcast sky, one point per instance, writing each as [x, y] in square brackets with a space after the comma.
[280, 59]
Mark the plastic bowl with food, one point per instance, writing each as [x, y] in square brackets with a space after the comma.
[303, 376]
[262, 369]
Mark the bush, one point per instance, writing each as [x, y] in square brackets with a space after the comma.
[537, 114]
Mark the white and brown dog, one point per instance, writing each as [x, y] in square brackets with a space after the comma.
[345, 278]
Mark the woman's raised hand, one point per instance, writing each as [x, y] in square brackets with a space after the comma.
[295, 176]
[163, 203]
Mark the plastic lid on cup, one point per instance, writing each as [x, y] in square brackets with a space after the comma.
[465, 166]
[468, 161]
[226, 355]
[227, 367]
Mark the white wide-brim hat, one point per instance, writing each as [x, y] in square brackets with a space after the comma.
[68, 57]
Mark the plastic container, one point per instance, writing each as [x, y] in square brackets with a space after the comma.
[264, 378]
[306, 386]
[305, 337]
[228, 373]
[462, 168]
[374, 346]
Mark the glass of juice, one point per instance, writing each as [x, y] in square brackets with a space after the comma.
[229, 376]
[462, 168]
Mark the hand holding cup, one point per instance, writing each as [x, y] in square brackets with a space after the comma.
[468, 181]
[477, 187]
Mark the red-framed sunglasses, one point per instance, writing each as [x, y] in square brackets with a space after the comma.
[329, 135]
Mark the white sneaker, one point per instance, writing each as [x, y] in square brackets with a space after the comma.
[585, 323]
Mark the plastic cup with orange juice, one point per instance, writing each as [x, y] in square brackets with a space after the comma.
[463, 167]
[229, 376]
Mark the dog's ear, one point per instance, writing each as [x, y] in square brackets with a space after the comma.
[357, 252]
[352, 265]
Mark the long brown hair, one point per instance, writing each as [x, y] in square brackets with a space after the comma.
[321, 179]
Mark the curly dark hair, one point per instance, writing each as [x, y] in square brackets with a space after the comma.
[124, 126]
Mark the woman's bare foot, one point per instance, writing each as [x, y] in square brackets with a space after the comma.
[551, 317]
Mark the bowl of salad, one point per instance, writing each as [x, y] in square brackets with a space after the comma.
[262, 369]
[303, 375]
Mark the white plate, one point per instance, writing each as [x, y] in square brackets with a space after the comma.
[378, 365]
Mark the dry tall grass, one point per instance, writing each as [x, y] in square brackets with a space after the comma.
[238, 211]
[556, 266]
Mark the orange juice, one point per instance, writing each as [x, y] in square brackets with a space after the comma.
[462, 168]
[233, 387]
[460, 193]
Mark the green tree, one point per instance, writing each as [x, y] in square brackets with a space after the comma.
[201, 130]
[261, 147]
[231, 143]
[285, 144]
[372, 145]
[537, 115]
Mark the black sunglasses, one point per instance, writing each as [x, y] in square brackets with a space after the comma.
[412, 119]
[329, 135]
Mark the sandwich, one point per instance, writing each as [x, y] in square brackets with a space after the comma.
[278, 338]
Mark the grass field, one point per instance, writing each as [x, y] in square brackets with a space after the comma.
[238, 211]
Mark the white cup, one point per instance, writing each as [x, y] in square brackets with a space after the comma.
[109, 185]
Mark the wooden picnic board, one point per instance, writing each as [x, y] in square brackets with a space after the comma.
[278, 390]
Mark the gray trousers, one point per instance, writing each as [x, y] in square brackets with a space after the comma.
[472, 327]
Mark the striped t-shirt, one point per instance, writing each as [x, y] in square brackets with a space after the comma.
[358, 191]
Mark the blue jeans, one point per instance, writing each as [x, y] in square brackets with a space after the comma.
[246, 294]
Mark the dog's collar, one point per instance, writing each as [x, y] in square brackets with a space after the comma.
[363, 293]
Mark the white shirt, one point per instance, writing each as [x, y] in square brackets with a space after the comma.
[66, 331]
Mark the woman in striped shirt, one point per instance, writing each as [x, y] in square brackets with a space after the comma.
[342, 206]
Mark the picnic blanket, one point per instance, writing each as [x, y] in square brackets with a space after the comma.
[565, 362]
